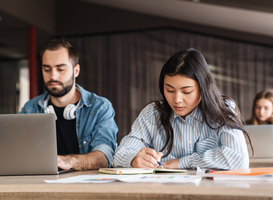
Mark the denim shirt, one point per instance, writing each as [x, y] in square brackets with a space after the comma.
[95, 125]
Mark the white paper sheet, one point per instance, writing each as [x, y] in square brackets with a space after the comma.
[87, 179]
[162, 179]
[129, 178]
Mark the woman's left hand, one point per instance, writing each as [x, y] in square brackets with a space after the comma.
[171, 164]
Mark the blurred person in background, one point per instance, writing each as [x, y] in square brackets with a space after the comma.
[262, 109]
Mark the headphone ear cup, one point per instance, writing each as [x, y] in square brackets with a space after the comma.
[50, 109]
[70, 112]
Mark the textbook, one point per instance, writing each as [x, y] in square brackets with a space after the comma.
[128, 171]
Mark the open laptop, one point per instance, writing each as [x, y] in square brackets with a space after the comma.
[28, 144]
[262, 140]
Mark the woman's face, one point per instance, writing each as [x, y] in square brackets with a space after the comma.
[182, 94]
[263, 109]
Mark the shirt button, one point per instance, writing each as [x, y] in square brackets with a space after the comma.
[78, 125]
[84, 142]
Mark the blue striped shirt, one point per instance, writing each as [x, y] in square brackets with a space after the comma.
[195, 143]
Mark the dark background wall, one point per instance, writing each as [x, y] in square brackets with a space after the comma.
[123, 46]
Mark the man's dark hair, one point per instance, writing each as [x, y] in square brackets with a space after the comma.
[57, 44]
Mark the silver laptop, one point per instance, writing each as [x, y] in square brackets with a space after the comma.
[28, 144]
[262, 140]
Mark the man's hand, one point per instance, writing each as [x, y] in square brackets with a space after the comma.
[146, 158]
[65, 162]
[92, 160]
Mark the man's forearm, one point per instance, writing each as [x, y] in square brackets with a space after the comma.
[92, 160]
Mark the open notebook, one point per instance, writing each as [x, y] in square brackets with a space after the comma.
[128, 171]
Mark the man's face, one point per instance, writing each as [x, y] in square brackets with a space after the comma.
[58, 72]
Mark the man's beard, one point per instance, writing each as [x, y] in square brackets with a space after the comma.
[55, 92]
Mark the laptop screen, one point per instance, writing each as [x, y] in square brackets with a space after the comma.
[28, 144]
[262, 140]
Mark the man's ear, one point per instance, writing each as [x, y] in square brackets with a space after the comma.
[77, 70]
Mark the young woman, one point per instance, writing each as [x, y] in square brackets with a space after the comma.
[262, 109]
[194, 125]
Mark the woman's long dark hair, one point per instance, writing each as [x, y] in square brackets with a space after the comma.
[214, 106]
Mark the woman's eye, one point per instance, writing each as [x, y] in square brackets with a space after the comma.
[169, 91]
[187, 92]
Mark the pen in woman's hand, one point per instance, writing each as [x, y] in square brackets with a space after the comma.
[147, 146]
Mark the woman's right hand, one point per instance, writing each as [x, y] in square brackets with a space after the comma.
[146, 158]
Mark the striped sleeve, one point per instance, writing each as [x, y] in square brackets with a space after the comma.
[227, 150]
[131, 144]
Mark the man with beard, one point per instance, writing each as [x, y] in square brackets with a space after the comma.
[85, 126]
